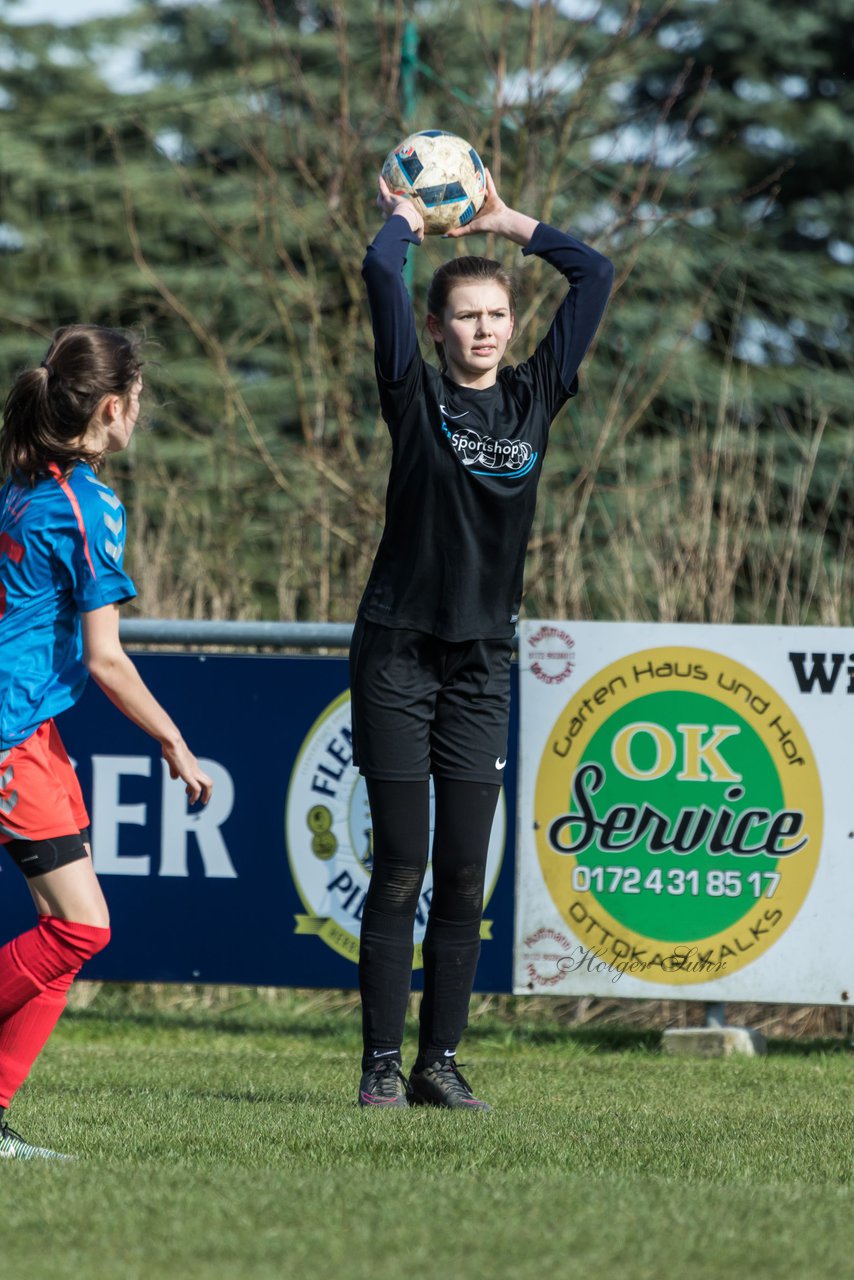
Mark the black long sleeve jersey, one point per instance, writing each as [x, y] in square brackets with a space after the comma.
[466, 463]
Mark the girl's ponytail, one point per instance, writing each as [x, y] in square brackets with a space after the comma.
[49, 408]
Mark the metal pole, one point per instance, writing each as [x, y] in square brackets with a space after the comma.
[408, 64]
[715, 1015]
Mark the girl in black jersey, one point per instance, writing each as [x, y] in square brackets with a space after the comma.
[430, 658]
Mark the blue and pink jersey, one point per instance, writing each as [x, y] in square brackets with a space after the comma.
[61, 550]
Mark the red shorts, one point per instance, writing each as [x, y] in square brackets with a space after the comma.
[40, 797]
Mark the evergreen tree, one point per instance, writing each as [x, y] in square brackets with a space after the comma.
[225, 205]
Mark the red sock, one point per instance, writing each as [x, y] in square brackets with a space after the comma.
[24, 1034]
[36, 970]
[31, 961]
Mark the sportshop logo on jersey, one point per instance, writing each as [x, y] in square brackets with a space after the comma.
[330, 839]
[678, 816]
[484, 456]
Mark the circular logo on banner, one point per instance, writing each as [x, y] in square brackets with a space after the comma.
[551, 654]
[678, 816]
[329, 838]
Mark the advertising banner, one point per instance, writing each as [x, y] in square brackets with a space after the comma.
[266, 885]
[686, 812]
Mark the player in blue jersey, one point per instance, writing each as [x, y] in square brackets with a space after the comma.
[62, 537]
[430, 658]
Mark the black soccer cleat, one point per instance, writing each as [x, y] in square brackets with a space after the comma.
[442, 1085]
[13, 1147]
[383, 1085]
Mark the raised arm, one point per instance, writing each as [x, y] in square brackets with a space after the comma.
[589, 274]
[395, 337]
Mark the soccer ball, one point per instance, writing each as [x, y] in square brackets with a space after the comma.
[442, 174]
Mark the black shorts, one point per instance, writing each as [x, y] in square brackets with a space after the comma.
[423, 705]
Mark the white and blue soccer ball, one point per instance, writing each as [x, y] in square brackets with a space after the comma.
[442, 174]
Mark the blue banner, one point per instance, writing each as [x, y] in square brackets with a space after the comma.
[265, 886]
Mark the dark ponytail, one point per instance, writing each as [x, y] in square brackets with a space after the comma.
[461, 271]
[50, 407]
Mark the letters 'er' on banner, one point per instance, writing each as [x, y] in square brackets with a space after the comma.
[686, 809]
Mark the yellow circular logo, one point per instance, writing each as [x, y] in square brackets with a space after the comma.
[678, 815]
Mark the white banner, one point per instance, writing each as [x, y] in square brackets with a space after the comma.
[686, 812]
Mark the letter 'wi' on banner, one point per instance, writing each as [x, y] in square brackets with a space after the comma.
[682, 817]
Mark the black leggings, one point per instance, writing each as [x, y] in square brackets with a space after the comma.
[401, 835]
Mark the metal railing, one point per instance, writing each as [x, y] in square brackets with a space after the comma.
[272, 635]
[250, 635]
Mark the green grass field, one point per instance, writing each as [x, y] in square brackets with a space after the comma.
[224, 1141]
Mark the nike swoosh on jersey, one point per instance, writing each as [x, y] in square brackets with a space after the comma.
[453, 416]
[499, 763]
